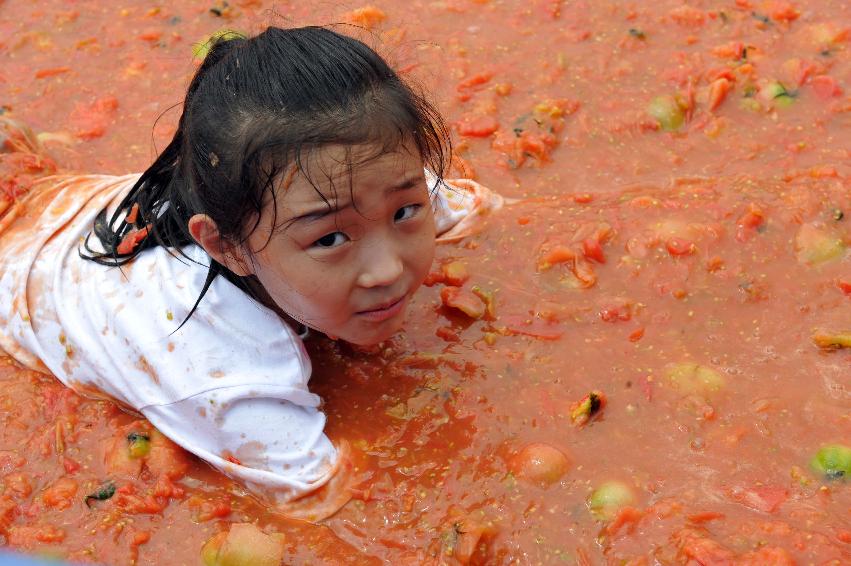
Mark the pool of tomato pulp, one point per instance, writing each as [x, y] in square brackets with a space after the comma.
[643, 361]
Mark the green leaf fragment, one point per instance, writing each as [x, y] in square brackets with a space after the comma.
[202, 48]
[104, 492]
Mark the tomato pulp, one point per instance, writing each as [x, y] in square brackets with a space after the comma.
[639, 362]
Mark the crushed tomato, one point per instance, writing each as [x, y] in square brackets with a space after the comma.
[665, 155]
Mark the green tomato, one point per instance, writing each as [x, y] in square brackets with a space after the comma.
[140, 445]
[243, 545]
[818, 244]
[694, 379]
[667, 111]
[609, 498]
[833, 461]
[211, 548]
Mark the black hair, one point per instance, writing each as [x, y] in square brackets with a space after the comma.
[255, 108]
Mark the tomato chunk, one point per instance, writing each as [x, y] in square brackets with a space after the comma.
[462, 300]
[478, 126]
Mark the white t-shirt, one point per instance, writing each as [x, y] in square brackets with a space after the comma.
[231, 385]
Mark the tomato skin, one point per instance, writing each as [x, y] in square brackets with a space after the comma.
[478, 127]
[60, 494]
[131, 240]
[627, 517]
[166, 458]
[732, 50]
[767, 499]
[592, 250]
[447, 334]
[558, 254]
[477, 80]
[8, 511]
[766, 556]
[367, 17]
[826, 87]
[621, 312]
[433, 278]
[531, 326]
[749, 223]
[784, 12]
[705, 517]
[71, 466]
[51, 72]
[680, 247]
[718, 92]
[19, 484]
[92, 120]
[696, 547]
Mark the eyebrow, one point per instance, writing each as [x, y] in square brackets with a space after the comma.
[323, 209]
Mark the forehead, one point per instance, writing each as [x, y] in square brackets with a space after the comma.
[333, 172]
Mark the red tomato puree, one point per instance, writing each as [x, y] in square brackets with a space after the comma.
[638, 363]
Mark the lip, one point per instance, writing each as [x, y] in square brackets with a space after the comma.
[385, 311]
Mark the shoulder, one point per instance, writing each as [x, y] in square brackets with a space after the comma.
[229, 341]
[51, 217]
[124, 329]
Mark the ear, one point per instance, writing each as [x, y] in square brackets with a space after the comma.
[205, 232]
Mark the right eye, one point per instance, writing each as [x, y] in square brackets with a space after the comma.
[331, 240]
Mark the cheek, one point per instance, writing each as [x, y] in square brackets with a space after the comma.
[291, 281]
[422, 255]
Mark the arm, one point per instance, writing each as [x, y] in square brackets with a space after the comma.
[276, 447]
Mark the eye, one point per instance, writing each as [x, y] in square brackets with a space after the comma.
[406, 212]
[331, 240]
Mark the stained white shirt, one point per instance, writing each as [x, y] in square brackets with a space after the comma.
[230, 385]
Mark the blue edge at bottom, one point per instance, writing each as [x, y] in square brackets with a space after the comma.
[9, 559]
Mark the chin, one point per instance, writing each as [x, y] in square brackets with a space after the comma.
[376, 336]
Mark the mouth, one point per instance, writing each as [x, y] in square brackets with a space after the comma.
[385, 310]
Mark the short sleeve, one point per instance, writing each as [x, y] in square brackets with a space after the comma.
[459, 206]
[274, 446]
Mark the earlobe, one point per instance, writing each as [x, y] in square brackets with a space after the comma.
[204, 231]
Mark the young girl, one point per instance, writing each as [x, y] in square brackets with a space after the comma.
[302, 190]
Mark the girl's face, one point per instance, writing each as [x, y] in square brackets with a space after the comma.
[347, 262]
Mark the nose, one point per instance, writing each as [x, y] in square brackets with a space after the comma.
[382, 266]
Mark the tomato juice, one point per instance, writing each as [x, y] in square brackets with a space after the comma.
[637, 362]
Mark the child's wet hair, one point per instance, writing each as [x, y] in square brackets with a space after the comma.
[255, 109]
